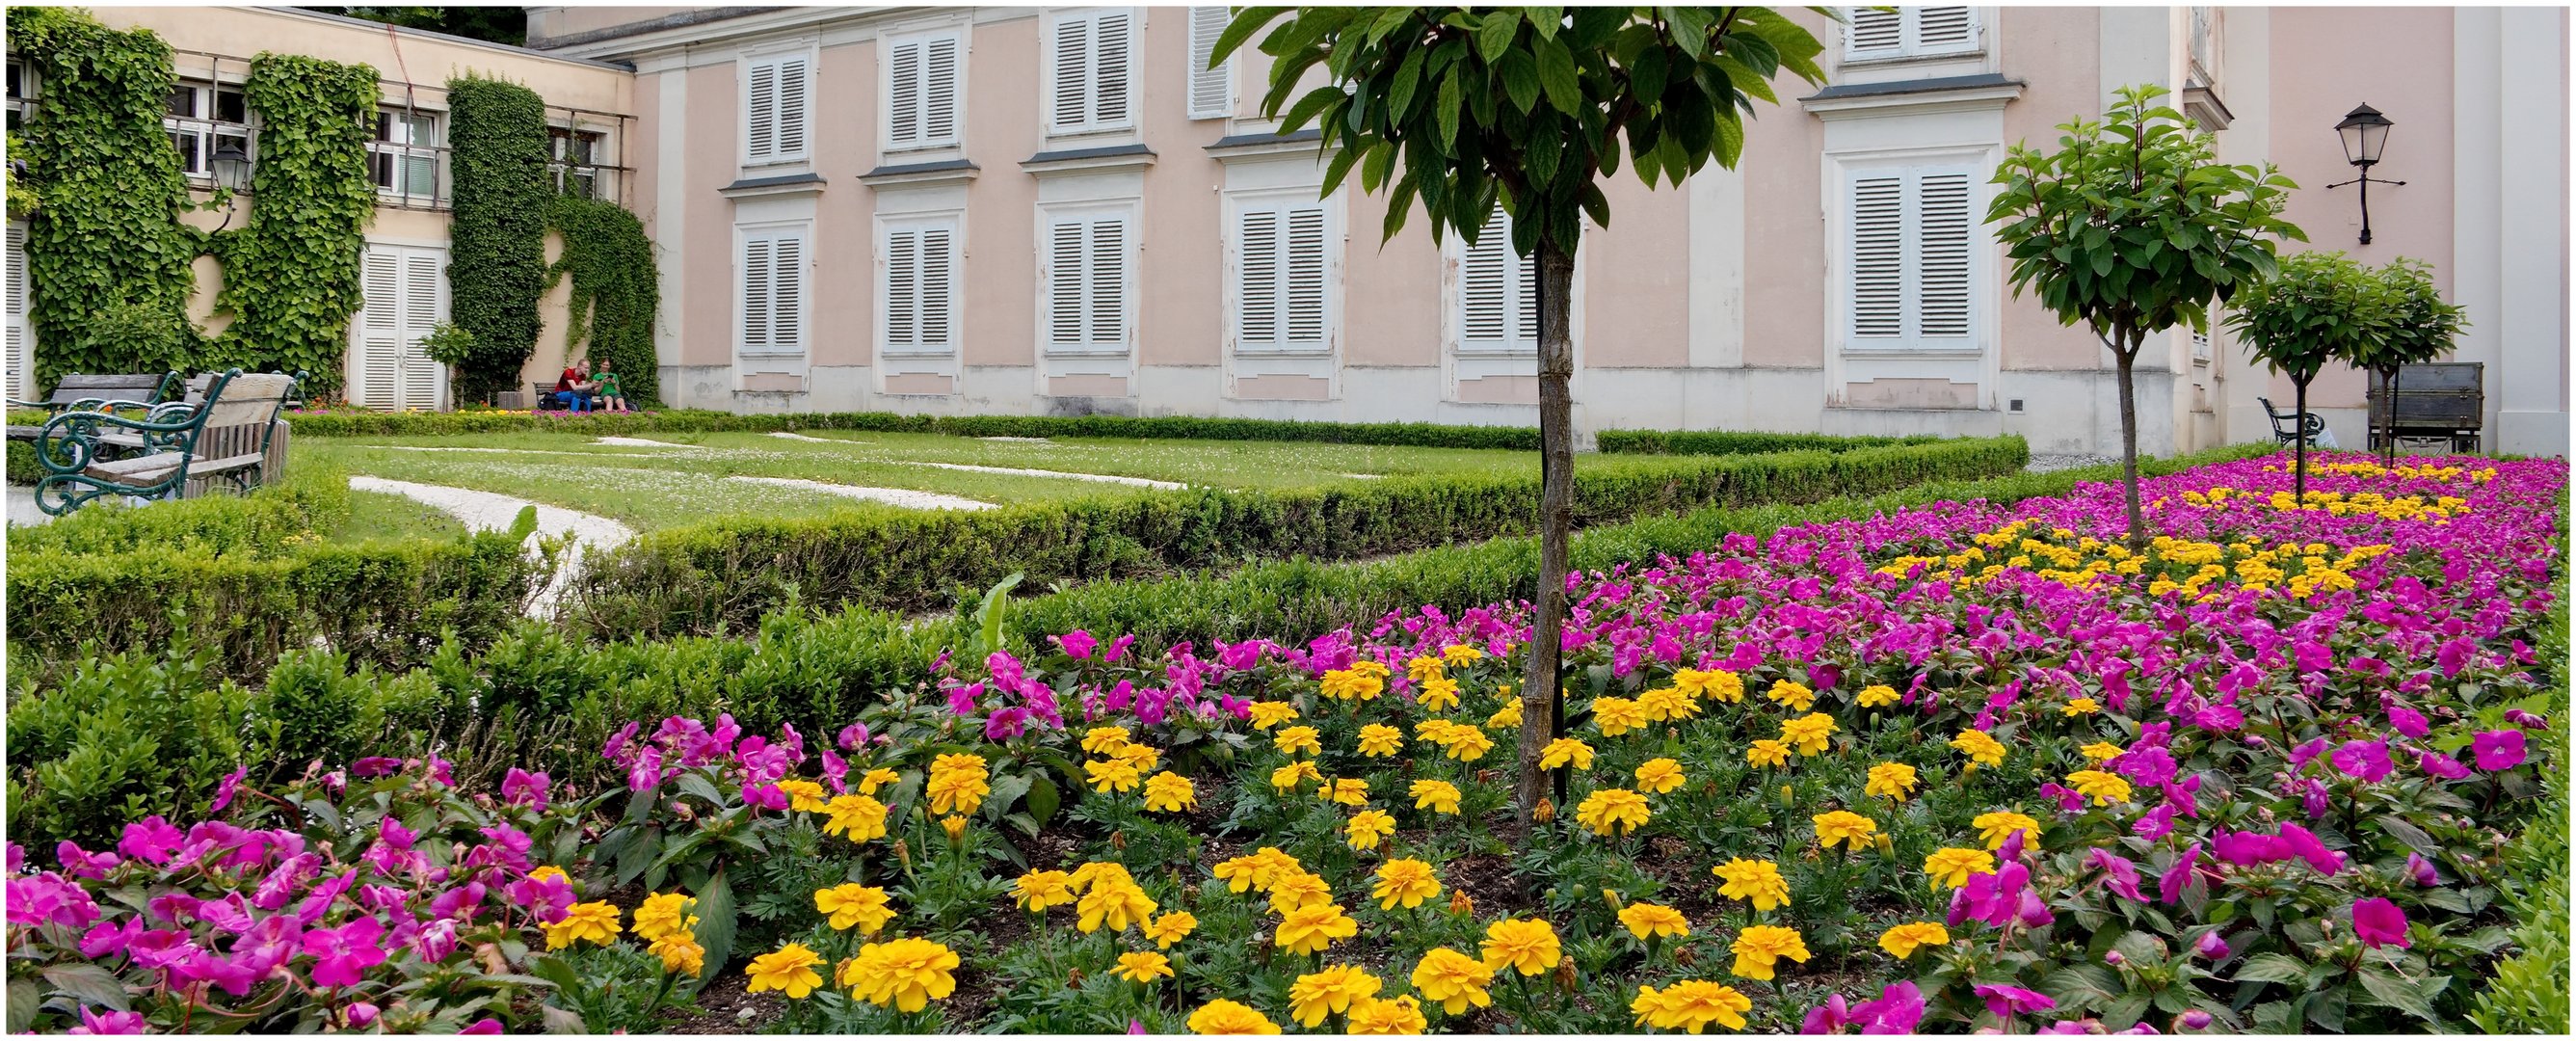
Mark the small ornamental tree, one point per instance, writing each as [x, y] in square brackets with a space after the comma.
[2133, 227]
[1465, 109]
[2421, 327]
[2320, 307]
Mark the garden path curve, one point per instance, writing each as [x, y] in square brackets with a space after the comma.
[488, 511]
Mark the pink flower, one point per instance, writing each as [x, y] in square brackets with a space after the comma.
[224, 792]
[342, 955]
[1077, 644]
[80, 863]
[375, 766]
[2211, 946]
[1828, 1018]
[2366, 761]
[2422, 871]
[40, 899]
[2005, 1001]
[523, 788]
[2442, 766]
[151, 840]
[2408, 721]
[2379, 923]
[2120, 874]
[486, 1025]
[99, 1023]
[362, 1014]
[2498, 749]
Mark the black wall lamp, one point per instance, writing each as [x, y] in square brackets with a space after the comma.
[2365, 135]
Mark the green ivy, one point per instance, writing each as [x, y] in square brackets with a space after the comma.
[615, 289]
[107, 258]
[497, 243]
[291, 277]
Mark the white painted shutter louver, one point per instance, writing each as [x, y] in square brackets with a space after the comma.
[787, 288]
[420, 314]
[1305, 286]
[1211, 90]
[758, 287]
[775, 116]
[1086, 283]
[1908, 31]
[1257, 321]
[918, 291]
[1942, 251]
[922, 92]
[1283, 281]
[21, 358]
[939, 86]
[791, 106]
[1094, 66]
[1939, 29]
[938, 289]
[1108, 273]
[1878, 258]
[1913, 259]
[1872, 33]
[760, 125]
[1497, 293]
[1072, 73]
[1109, 105]
[379, 368]
[903, 93]
[1065, 262]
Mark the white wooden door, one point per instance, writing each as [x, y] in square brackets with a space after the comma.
[406, 290]
[20, 362]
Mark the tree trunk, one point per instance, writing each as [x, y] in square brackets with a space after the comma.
[2389, 449]
[1539, 710]
[2127, 352]
[2300, 483]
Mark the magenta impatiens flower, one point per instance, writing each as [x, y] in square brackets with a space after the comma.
[96, 1023]
[343, 955]
[2379, 923]
[2004, 1001]
[524, 788]
[2498, 749]
[2443, 766]
[2365, 761]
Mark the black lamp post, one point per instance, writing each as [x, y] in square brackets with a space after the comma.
[2365, 135]
[232, 173]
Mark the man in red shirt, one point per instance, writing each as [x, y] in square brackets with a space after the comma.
[574, 387]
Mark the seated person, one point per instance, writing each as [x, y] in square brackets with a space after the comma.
[573, 389]
[612, 398]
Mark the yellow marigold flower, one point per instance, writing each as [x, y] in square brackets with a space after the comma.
[1690, 1005]
[595, 922]
[1423, 667]
[1378, 740]
[1298, 887]
[1759, 948]
[1756, 882]
[803, 796]
[1659, 775]
[2101, 751]
[1810, 734]
[1436, 731]
[1368, 826]
[1843, 826]
[1507, 716]
[1903, 940]
[2000, 825]
[1436, 796]
[1230, 1017]
[851, 904]
[2081, 707]
[662, 914]
[1109, 775]
[789, 968]
[1316, 995]
[1713, 684]
[1667, 704]
[1398, 1015]
[1104, 740]
[1565, 750]
[1293, 739]
[1952, 866]
[1143, 966]
[1097, 872]
[550, 871]
[1353, 683]
[1267, 714]
[955, 826]
[1439, 694]
[1294, 774]
[1113, 904]
[1039, 890]
[1468, 744]
[958, 783]
[1616, 716]
[1794, 695]
[1893, 780]
[1526, 944]
[1650, 920]
[1461, 654]
[908, 974]
[1171, 928]
[680, 953]
[1453, 979]
[877, 778]
[1348, 791]
[1876, 695]
[1612, 811]
[2103, 788]
[1407, 882]
[1313, 927]
[1143, 757]
[855, 817]
[1256, 870]
[1767, 752]
[1981, 747]
[1168, 792]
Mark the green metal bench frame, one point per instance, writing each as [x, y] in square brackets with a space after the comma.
[72, 445]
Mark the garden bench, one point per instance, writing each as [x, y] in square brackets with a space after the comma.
[2443, 402]
[79, 392]
[226, 436]
[2290, 428]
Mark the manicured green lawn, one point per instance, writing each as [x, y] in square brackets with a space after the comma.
[379, 516]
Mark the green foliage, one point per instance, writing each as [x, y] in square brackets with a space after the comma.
[448, 344]
[615, 290]
[132, 734]
[497, 242]
[274, 519]
[2318, 308]
[1522, 107]
[1740, 442]
[2529, 995]
[291, 277]
[104, 237]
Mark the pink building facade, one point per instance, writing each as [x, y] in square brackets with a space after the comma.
[1059, 210]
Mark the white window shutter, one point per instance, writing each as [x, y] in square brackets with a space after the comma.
[1257, 280]
[21, 361]
[904, 94]
[1873, 32]
[903, 289]
[1305, 287]
[1112, 45]
[940, 83]
[787, 303]
[759, 287]
[1484, 288]
[1942, 29]
[760, 123]
[792, 101]
[1945, 234]
[1211, 90]
[421, 271]
[378, 375]
[1072, 101]
[1108, 277]
[937, 301]
[1878, 257]
[1067, 276]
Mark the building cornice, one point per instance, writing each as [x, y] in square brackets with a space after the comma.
[922, 175]
[1945, 93]
[1106, 159]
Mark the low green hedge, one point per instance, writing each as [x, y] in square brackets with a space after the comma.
[1741, 442]
[310, 499]
[540, 697]
[725, 574]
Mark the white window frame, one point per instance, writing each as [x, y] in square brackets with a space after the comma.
[743, 235]
[1091, 123]
[562, 171]
[1976, 165]
[954, 222]
[746, 70]
[1130, 287]
[1523, 270]
[1910, 35]
[1206, 24]
[1283, 200]
[404, 152]
[22, 103]
[207, 128]
[886, 142]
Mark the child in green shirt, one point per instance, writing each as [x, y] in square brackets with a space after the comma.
[611, 397]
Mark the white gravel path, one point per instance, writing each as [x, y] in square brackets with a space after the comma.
[488, 511]
[502, 451]
[1023, 440]
[793, 436]
[904, 497]
[1139, 482]
[638, 442]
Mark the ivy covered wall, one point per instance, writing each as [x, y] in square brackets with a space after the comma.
[291, 277]
[615, 290]
[496, 262]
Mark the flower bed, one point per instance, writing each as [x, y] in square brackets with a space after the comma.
[1954, 767]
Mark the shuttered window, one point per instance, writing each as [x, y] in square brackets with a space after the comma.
[1908, 32]
[1211, 90]
[923, 76]
[774, 266]
[1911, 258]
[21, 360]
[1092, 72]
[1088, 271]
[1283, 278]
[777, 93]
[1497, 293]
[405, 296]
[917, 282]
